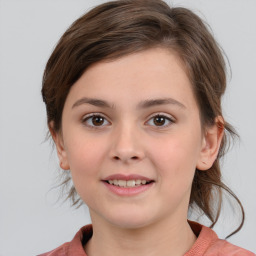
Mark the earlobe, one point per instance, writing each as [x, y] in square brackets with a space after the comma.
[61, 152]
[211, 144]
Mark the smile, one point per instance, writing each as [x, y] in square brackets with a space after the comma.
[128, 183]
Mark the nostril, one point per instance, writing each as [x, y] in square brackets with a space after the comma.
[133, 158]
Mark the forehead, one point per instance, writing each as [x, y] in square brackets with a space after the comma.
[152, 73]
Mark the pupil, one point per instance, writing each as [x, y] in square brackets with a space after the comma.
[159, 120]
[97, 120]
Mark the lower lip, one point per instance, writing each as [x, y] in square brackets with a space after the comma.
[128, 191]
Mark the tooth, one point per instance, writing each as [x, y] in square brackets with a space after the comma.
[122, 183]
[130, 183]
[138, 182]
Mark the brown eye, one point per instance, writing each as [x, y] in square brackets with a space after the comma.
[160, 121]
[95, 121]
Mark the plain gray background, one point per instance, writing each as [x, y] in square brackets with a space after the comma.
[31, 222]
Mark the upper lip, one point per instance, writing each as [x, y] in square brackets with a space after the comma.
[127, 177]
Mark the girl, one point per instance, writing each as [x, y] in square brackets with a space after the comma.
[133, 97]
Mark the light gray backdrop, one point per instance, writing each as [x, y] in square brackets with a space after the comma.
[30, 221]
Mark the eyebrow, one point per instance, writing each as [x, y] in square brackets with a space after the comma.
[144, 104]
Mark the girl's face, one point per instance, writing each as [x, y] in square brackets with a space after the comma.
[128, 121]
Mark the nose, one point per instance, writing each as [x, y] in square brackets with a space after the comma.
[127, 145]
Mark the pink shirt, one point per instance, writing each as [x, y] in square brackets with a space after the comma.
[207, 244]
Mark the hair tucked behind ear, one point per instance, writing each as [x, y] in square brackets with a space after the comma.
[118, 28]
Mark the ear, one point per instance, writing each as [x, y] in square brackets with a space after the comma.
[58, 140]
[211, 144]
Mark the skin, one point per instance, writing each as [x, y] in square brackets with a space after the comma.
[129, 140]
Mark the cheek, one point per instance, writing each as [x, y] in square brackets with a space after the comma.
[85, 160]
[84, 156]
[176, 157]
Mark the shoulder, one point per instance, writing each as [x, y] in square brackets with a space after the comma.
[208, 244]
[60, 251]
[75, 246]
[224, 248]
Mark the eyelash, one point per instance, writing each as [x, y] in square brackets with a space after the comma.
[90, 116]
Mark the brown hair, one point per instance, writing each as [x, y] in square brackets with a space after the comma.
[117, 28]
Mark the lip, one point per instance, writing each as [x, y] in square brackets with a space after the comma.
[126, 177]
[128, 191]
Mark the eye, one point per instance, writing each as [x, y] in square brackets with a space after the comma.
[160, 120]
[95, 120]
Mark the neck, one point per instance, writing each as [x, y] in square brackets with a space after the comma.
[163, 238]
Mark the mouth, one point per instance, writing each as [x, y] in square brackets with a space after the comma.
[128, 183]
